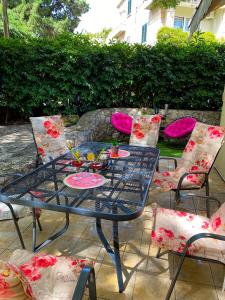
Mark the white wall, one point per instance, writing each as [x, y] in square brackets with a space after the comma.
[131, 26]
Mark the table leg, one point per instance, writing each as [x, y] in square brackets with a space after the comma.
[115, 254]
[51, 238]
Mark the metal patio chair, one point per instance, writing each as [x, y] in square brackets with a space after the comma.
[45, 276]
[192, 170]
[15, 212]
[189, 235]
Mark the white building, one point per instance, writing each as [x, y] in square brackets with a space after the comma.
[139, 24]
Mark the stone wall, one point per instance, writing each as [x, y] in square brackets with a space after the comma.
[17, 150]
[96, 125]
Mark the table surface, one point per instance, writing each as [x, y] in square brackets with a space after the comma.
[121, 198]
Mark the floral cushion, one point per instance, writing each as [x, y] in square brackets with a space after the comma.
[10, 284]
[49, 137]
[199, 155]
[47, 276]
[217, 220]
[20, 211]
[172, 229]
[145, 130]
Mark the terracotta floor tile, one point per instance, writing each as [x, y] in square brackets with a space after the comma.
[186, 291]
[107, 286]
[195, 271]
[218, 274]
[5, 255]
[159, 267]
[150, 287]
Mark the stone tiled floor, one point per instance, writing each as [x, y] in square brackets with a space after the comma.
[147, 278]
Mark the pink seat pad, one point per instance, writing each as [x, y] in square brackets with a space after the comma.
[180, 128]
[122, 122]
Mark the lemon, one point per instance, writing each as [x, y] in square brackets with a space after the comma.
[90, 156]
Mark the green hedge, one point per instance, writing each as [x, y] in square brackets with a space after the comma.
[74, 75]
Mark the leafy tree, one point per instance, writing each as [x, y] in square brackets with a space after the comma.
[164, 3]
[5, 18]
[100, 36]
[47, 18]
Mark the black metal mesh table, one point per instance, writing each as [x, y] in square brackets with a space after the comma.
[121, 198]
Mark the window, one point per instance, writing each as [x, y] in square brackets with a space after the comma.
[144, 33]
[181, 23]
[178, 22]
[129, 7]
[187, 20]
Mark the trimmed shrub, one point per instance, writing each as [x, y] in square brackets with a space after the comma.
[73, 74]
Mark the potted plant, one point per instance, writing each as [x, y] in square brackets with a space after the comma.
[114, 148]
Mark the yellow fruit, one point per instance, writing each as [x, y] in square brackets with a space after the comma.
[90, 156]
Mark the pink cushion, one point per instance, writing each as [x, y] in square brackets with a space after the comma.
[122, 122]
[180, 128]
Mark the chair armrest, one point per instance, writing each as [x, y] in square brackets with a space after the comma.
[202, 235]
[87, 276]
[167, 158]
[189, 173]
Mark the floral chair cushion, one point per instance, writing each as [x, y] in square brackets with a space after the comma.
[19, 210]
[199, 155]
[10, 284]
[47, 277]
[217, 220]
[145, 130]
[172, 229]
[49, 137]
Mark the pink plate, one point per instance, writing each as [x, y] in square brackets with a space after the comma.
[84, 180]
[121, 153]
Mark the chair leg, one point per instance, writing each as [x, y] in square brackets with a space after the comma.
[177, 196]
[15, 220]
[39, 224]
[92, 287]
[207, 186]
[207, 195]
[158, 253]
[173, 282]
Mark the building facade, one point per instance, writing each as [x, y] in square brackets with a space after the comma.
[137, 23]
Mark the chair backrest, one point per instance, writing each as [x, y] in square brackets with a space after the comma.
[145, 130]
[49, 137]
[202, 147]
[122, 122]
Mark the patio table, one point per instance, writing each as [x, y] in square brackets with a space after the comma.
[121, 198]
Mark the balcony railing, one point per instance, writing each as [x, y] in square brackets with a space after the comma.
[190, 3]
[147, 3]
